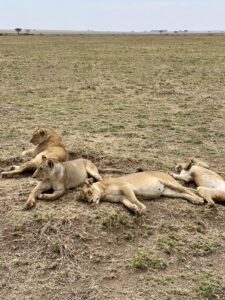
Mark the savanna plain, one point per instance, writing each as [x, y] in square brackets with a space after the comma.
[124, 102]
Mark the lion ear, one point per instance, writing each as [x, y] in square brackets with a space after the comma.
[44, 158]
[50, 163]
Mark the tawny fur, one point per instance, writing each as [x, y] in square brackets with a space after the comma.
[49, 143]
[124, 189]
[211, 186]
[59, 177]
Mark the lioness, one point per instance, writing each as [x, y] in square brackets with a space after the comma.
[49, 143]
[124, 189]
[59, 177]
[211, 186]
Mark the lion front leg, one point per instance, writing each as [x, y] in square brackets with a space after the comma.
[182, 176]
[130, 196]
[38, 190]
[54, 196]
[133, 207]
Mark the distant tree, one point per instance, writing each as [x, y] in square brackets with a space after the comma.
[162, 31]
[18, 30]
[27, 31]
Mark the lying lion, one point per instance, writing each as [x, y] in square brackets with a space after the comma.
[58, 176]
[211, 186]
[124, 189]
[49, 143]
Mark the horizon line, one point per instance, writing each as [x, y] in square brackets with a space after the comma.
[119, 31]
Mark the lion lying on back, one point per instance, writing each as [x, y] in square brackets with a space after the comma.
[147, 185]
[211, 186]
[58, 176]
[49, 143]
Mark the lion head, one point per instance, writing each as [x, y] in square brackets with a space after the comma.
[89, 192]
[45, 170]
[188, 163]
[39, 135]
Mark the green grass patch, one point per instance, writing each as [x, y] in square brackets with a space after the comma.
[147, 260]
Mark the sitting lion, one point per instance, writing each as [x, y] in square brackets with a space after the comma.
[58, 176]
[211, 186]
[49, 143]
[147, 185]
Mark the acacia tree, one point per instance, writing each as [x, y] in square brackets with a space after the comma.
[27, 31]
[18, 30]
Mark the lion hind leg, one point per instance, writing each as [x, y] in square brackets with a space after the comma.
[54, 196]
[168, 192]
[92, 170]
[30, 165]
[177, 187]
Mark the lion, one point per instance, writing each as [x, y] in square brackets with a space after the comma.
[211, 186]
[59, 177]
[124, 189]
[49, 143]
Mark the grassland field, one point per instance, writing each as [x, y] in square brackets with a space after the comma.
[122, 101]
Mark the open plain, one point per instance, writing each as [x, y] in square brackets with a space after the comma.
[124, 101]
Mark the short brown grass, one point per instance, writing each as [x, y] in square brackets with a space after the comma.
[122, 101]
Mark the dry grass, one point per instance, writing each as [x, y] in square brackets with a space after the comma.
[123, 101]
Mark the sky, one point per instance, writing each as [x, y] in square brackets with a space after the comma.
[113, 15]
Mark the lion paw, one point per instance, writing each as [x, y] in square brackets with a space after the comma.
[4, 174]
[211, 204]
[172, 174]
[30, 203]
[13, 167]
[139, 210]
[200, 200]
[24, 153]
